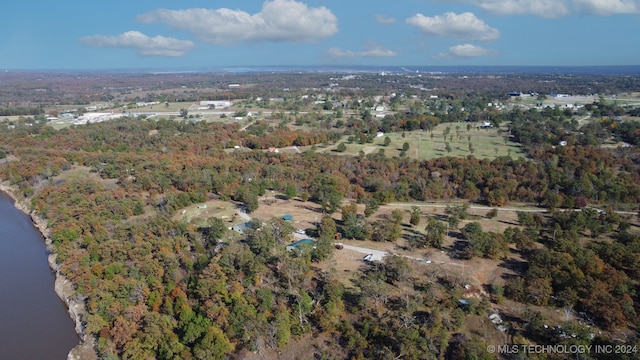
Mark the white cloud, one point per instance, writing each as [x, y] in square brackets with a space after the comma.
[385, 20]
[607, 7]
[279, 20]
[552, 9]
[541, 8]
[370, 50]
[464, 26]
[142, 44]
[465, 51]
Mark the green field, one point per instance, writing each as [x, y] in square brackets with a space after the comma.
[486, 143]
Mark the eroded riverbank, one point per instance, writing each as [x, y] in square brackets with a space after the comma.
[62, 286]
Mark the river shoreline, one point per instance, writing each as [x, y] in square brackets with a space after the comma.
[62, 286]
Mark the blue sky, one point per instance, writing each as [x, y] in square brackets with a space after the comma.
[171, 34]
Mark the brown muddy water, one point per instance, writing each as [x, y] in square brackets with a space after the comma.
[34, 322]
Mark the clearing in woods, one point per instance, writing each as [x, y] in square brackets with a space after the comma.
[477, 271]
[423, 145]
[198, 214]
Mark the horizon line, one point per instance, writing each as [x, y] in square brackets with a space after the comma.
[406, 69]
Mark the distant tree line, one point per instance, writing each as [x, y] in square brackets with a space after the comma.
[21, 111]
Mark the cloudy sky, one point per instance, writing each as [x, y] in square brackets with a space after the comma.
[172, 34]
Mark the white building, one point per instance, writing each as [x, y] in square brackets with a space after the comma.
[216, 104]
[149, 103]
[486, 125]
[97, 117]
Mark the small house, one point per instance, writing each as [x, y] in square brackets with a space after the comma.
[239, 228]
[300, 243]
[242, 228]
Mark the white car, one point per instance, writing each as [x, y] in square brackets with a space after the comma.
[300, 231]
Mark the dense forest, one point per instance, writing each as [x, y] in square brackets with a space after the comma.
[160, 288]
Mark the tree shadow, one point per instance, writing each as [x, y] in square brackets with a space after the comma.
[459, 249]
[351, 299]
[310, 208]
[517, 266]
[508, 223]
[410, 239]
[411, 230]
[460, 245]
[441, 217]
[456, 235]
[311, 232]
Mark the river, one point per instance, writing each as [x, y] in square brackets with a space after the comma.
[34, 322]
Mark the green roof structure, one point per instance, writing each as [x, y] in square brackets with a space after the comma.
[298, 244]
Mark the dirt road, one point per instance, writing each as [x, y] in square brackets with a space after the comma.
[375, 254]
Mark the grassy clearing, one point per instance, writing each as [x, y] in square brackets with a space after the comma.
[163, 107]
[486, 143]
[191, 107]
[559, 101]
[62, 123]
[80, 173]
[198, 214]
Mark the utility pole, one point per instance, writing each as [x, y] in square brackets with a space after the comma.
[418, 147]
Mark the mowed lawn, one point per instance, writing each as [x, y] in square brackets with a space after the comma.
[486, 143]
